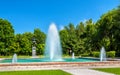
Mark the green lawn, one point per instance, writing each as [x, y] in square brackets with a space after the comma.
[36, 72]
[110, 70]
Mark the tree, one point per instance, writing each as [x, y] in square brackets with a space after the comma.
[109, 28]
[40, 40]
[64, 37]
[116, 31]
[40, 49]
[39, 36]
[72, 37]
[80, 29]
[6, 36]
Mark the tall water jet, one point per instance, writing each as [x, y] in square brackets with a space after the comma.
[53, 49]
[14, 59]
[102, 54]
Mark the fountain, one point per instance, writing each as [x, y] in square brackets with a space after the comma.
[102, 54]
[53, 49]
[73, 55]
[14, 59]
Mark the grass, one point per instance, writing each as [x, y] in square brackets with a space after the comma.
[110, 70]
[39, 56]
[21, 56]
[17, 56]
[36, 72]
[5, 56]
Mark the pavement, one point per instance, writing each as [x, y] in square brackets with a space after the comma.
[85, 72]
[72, 70]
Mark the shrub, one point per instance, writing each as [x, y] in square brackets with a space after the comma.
[85, 55]
[111, 54]
[95, 54]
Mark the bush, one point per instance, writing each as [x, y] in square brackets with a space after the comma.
[85, 55]
[111, 54]
[95, 54]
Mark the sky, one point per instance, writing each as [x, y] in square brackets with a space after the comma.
[26, 15]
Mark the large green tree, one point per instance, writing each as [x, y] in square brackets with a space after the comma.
[68, 38]
[39, 36]
[80, 29]
[90, 40]
[6, 36]
[109, 29]
[40, 40]
[64, 37]
[71, 43]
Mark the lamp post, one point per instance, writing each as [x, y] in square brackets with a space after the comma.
[33, 48]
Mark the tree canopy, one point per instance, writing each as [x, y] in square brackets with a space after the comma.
[91, 36]
[83, 39]
[6, 36]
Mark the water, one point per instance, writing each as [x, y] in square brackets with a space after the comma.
[73, 56]
[14, 59]
[53, 49]
[30, 60]
[102, 54]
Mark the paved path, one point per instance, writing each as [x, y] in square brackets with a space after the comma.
[85, 72]
[72, 70]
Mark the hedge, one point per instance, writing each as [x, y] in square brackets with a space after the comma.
[95, 54]
[111, 54]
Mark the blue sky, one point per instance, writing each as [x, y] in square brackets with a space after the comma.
[26, 15]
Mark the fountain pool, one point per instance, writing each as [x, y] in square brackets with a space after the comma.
[30, 60]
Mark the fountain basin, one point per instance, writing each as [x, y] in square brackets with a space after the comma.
[57, 65]
[30, 60]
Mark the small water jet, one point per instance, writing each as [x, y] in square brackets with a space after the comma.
[73, 55]
[53, 49]
[102, 54]
[14, 59]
